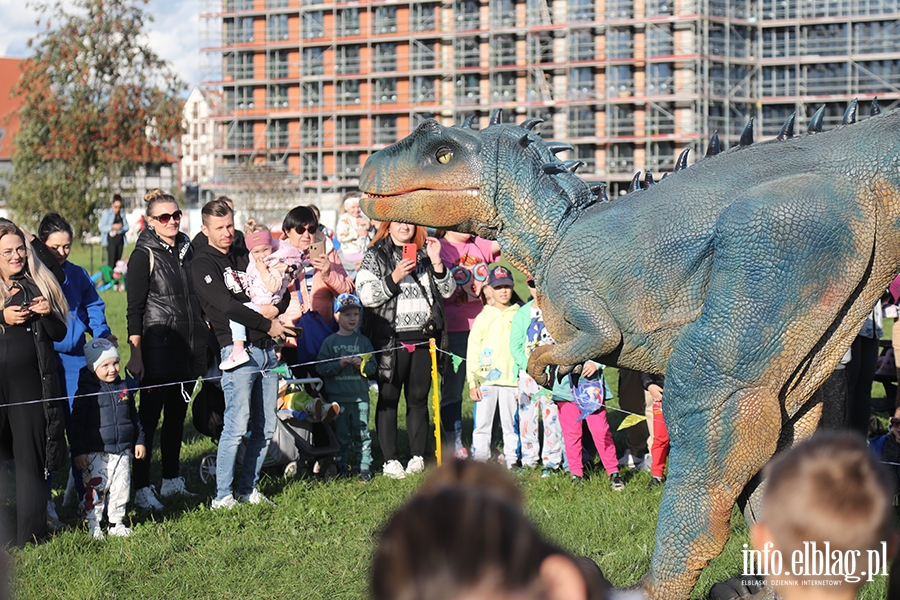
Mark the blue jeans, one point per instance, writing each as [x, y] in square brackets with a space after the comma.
[251, 398]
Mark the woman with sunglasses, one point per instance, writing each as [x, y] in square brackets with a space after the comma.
[316, 287]
[33, 316]
[167, 337]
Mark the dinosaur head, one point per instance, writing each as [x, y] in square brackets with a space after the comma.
[434, 177]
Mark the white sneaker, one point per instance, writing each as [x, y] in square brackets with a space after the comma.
[629, 461]
[236, 359]
[227, 502]
[95, 530]
[146, 498]
[393, 469]
[119, 530]
[255, 497]
[647, 463]
[416, 465]
[173, 487]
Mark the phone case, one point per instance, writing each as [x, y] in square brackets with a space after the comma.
[409, 251]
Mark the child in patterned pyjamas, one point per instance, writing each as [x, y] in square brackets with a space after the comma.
[528, 332]
[105, 430]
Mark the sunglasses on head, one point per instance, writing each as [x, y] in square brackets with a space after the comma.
[166, 217]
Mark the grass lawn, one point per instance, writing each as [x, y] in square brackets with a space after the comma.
[318, 542]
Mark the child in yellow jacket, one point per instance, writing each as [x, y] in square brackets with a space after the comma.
[491, 373]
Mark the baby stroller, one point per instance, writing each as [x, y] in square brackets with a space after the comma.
[299, 445]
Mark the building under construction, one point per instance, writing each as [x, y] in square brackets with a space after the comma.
[311, 88]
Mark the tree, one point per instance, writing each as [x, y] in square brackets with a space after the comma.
[97, 101]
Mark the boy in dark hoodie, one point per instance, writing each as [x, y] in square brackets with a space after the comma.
[105, 431]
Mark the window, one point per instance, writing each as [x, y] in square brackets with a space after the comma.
[467, 53]
[503, 13]
[277, 28]
[309, 133]
[540, 48]
[240, 136]
[276, 3]
[582, 122]
[313, 24]
[503, 50]
[278, 96]
[660, 156]
[779, 42]
[277, 64]
[277, 134]
[620, 121]
[620, 158]
[313, 62]
[312, 93]
[656, 8]
[385, 57]
[385, 90]
[581, 44]
[661, 120]
[829, 78]
[537, 12]
[347, 59]
[659, 79]
[878, 75]
[423, 89]
[468, 15]
[421, 56]
[619, 9]
[347, 130]
[239, 65]
[348, 164]
[620, 80]
[239, 31]
[660, 41]
[581, 11]
[774, 116]
[468, 89]
[827, 40]
[423, 17]
[310, 168]
[348, 22]
[385, 19]
[385, 129]
[779, 80]
[538, 86]
[245, 98]
[581, 83]
[619, 43]
[586, 153]
[503, 87]
[348, 91]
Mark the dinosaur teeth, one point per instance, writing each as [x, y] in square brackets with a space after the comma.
[876, 110]
[496, 116]
[815, 124]
[850, 114]
[714, 147]
[635, 183]
[681, 163]
[787, 130]
[747, 135]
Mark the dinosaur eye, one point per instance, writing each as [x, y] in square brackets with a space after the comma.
[444, 155]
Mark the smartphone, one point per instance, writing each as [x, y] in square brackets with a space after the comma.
[317, 248]
[409, 251]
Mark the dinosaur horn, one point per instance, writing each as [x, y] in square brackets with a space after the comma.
[599, 190]
[747, 135]
[467, 123]
[787, 130]
[714, 146]
[681, 163]
[850, 114]
[557, 147]
[531, 123]
[553, 168]
[635, 183]
[496, 117]
[663, 177]
[573, 165]
[876, 110]
[524, 140]
[648, 179]
[815, 124]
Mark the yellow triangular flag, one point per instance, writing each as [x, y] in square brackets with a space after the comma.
[362, 365]
[631, 420]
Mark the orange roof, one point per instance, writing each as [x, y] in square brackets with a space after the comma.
[9, 119]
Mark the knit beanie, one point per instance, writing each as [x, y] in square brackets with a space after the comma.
[97, 351]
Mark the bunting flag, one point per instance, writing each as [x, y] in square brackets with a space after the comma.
[408, 347]
[631, 421]
[362, 365]
[457, 360]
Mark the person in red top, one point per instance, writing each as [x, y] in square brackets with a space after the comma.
[468, 258]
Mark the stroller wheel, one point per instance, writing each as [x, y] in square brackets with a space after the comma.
[290, 469]
[208, 468]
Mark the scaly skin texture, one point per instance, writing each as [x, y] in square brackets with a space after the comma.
[743, 278]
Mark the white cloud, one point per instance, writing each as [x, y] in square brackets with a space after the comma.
[173, 33]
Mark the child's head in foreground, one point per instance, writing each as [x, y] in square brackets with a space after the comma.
[828, 489]
[347, 310]
[103, 359]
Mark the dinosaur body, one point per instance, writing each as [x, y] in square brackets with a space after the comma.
[743, 279]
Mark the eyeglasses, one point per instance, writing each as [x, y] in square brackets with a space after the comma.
[21, 251]
[166, 217]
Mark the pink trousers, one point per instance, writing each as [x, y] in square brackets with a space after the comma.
[599, 428]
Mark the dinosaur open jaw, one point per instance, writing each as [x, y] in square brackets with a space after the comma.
[464, 192]
[430, 207]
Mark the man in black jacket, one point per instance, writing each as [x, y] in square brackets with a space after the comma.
[251, 389]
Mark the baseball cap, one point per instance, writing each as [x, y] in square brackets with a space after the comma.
[500, 276]
[346, 301]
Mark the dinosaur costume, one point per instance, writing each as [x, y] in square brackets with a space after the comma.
[743, 279]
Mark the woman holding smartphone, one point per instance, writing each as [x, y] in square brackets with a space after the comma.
[402, 283]
[315, 288]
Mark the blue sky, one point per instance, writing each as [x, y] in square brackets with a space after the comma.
[173, 34]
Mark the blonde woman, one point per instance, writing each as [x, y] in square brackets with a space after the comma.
[33, 317]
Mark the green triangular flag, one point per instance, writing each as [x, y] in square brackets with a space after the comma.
[457, 360]
[631, 421]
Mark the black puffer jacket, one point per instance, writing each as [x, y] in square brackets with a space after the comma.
[164, 311]
[47, 330]
[104, 418]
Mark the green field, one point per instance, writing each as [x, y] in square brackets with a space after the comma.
[318, 541]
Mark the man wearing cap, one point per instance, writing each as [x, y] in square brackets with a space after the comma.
[251, 389]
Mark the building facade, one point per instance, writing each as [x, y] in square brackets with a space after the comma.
[311, 88]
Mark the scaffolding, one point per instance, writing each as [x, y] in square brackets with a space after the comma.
[315, 87]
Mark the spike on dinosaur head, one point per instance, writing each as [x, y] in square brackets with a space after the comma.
[681, 163]
[747, 135]
[787, 130]
[714, 146]
[531, 123]
[635, 185]
[496, 117]
[850, 114]
[815, 123]
[876, 110]
[467, 123]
